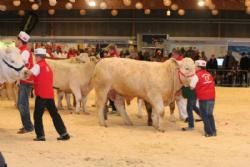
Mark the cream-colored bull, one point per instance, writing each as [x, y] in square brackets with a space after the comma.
[157, 83]
[11, 65]
[75, 77]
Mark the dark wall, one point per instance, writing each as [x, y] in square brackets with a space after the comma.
[129, 23]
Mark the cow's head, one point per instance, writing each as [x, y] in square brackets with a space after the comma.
[186, 71]
[11, 65]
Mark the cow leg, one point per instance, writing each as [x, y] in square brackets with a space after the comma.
[78, 98]
[67, 96]
[139, 111]
[172, 108]
[84, 106]
[101, 99]
[158, 108]
[149, 112]
[60, 95]
[120, 106]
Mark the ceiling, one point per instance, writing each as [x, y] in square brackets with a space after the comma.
[235, 5]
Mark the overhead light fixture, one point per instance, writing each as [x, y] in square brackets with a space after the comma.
[3, 8]
[201, 3]
[52, 2]
[17, 3]
[168, 13]
[21, 12]
[92, 3]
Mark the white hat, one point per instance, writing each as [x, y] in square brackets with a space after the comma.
[24, 36]
[40, 52]
[201, 63]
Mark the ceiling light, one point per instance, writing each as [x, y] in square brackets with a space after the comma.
[35, 6]
[201, 3]
[52, 2]
[17, 3]
[21, 12]
[147, 11]
[103, 5]
[92, 3]
[82, 12]
[168, 13]
[3, 8]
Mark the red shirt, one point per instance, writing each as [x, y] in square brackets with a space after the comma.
[113, 53]
[205, 87]
[43, 82]
[29, 65]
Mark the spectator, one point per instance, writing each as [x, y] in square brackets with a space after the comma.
[229, 61]
[112, 51]
[212, 63]
[244, 61]
[203, 56]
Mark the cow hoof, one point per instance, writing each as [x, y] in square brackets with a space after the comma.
[161, 130]
[150, 123]
[129, 124]
[86, 113]
[103, 124]
[60, 108]
[172, 119]
[70, 108]
[139, 116]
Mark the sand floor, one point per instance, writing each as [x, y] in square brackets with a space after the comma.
[136, 146]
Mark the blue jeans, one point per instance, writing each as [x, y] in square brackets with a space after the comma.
[23, 106]
[191, 105]
[206, 110]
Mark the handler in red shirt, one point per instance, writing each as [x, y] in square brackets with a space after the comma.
[25, 85]
[43, 86]
[205, 92]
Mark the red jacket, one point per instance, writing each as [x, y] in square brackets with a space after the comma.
[43, 83]
[29, 65]
[205, 88]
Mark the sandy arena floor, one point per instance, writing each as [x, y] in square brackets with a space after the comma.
[136, 146]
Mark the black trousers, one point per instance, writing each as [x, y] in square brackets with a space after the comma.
[40, 105]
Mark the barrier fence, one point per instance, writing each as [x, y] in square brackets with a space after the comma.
[231, 78]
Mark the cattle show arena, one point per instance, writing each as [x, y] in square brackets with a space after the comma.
[138, 145]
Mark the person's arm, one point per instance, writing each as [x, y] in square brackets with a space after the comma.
[194, 82]
[25, 55]
[35, 70]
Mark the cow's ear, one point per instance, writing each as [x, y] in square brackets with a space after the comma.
[178, 63]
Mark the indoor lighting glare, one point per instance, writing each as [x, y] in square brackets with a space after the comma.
[168, 13]
[201, 3]
[92, 3]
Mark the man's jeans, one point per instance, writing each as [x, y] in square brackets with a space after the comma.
[191, 105]
[206, 110]
[23, 106]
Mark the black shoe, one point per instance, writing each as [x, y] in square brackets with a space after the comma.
[64, 137]
[39, 139]
[198, 120]
[21, 128]
[208, 135]
[186, 120]
[187, 129]
[23, 131]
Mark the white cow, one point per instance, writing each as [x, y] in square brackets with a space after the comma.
[157, 83]
[11, 65]
[74, 77]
